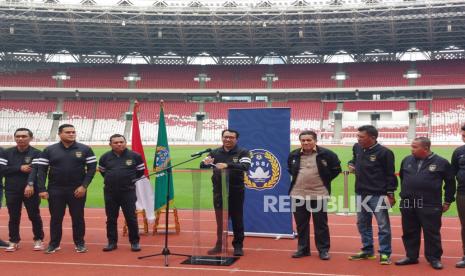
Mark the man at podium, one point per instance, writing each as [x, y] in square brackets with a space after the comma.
[235, 161]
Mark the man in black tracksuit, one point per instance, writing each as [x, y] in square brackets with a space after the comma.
[120, 169]
[71, 167]
[458, 165]
[375, 183]
[236, 161]
[422, 176]
[3, 244]
[17, 167]
[312, 169]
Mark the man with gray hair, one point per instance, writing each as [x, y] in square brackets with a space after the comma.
[422, 176]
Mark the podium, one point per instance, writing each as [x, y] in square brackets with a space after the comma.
[209, 227]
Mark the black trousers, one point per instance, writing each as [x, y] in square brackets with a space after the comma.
[126, 200]
[461, 211]
[57, 202]
[302, 215]
[14, 203]
[416, 219]
[235, 212]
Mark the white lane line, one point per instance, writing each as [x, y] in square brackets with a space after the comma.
[254, 249]
[267, 272]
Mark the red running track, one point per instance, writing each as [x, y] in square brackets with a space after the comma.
[263, 256]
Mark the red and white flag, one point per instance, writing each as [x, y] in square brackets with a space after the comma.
[144, 190]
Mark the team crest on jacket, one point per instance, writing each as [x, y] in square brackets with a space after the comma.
[78, 154]
[372, 158]
[162, 158]
[432, 167]
[264, 172]
[27, 159]
[129, 162]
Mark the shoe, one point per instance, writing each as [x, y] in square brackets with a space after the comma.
[12, 247]
[324, 255]
[436, 264]
[385, 259]
[300, 254]
[80, 248]
[406, 261]
[215, 250]
[461, 264]
[238, 251]
[38, 245]
[135, 247]
[362, 256]
[51, 249]
[3, 244]
[110, 247]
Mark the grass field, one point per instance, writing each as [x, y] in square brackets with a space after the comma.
[183, 187]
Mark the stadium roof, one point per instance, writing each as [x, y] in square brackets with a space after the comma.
[230, 28]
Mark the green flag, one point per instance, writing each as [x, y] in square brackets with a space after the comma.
[162, 161]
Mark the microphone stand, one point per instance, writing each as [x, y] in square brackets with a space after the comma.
[166, 251]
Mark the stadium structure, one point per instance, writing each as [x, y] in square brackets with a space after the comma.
[337, 64]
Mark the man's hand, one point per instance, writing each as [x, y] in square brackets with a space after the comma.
[351, 168]
[445, 207]
[391, 200]
[26, 168]
[80, 192]
[43, 195]
[221, 166]
[28, 191]
[208, 160]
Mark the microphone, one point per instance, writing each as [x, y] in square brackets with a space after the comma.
[201, 152]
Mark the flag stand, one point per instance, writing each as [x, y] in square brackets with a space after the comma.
[176, 225]
[166, 251]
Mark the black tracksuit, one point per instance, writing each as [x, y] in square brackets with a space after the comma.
[374, 170]
[329, 168]
[67, 168]
[238, 160]
[120, 172]
[458, 165]
[2, 162]
[421, 203]
[15, 183]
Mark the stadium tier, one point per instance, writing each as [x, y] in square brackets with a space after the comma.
[96, 119]
[355, 75]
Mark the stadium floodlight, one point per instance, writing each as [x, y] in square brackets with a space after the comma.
[123, 23]
[412, 74]
[132, 77]
[340, 76]
[12, 29]
[160, 34]
[61, 76]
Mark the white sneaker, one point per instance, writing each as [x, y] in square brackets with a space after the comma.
[12, 247]
[38, 245]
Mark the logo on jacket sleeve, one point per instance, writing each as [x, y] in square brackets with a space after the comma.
[264, 172]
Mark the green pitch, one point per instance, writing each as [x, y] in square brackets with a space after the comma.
[183, 188]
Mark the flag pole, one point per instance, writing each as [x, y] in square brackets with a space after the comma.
[166, 251]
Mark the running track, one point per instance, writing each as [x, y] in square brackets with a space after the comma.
[263, 256]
